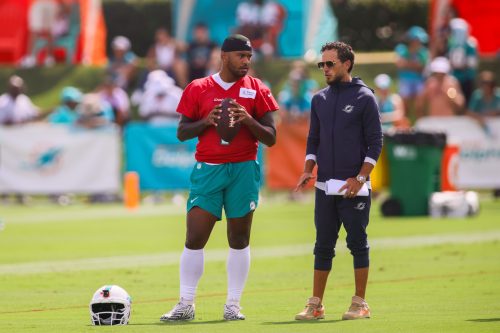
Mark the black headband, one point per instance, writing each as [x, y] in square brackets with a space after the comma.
[236, 43]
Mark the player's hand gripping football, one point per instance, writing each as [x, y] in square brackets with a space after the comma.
[240, 113]
[213, 116]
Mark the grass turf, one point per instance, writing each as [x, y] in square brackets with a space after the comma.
[442, 287]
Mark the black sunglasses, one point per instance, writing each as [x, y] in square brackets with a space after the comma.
[328, 64]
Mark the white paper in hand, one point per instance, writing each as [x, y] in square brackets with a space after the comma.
[332, 187]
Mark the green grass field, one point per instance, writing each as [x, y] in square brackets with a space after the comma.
[426, 275]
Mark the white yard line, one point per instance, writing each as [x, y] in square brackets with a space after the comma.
[77, 216]
[170, 258]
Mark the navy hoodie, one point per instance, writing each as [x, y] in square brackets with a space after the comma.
[345, 128]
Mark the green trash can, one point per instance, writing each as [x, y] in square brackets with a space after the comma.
[414, 171]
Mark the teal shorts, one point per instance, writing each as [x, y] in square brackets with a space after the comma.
[234, 186]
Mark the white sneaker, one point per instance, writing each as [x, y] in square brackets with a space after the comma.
[232, 312]
[182, 311]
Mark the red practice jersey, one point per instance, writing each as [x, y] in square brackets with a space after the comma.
[202, 95]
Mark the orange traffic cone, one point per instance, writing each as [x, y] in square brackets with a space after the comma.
[131, 190]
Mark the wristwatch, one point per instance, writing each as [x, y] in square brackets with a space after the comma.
[361, 179]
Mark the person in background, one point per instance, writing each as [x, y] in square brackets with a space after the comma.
[262, 22]
[214, 63]
[94, 113]
[463, 55]
[67, 112]
[439, 42]
[49, 20]
[16, 107]
[166, 54]
[117, 98]
[160, 99]
[123, 62]
[485, 101]
[199, 52]
[62, 22]
[42, 16]
[411, 60]
[391, 106]
[441, 95]
[296, 95]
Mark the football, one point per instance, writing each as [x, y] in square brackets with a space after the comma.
[226, 126]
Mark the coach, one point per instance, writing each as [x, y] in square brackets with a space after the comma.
[345, 141]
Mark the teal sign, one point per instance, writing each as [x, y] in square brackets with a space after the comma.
[160, 159]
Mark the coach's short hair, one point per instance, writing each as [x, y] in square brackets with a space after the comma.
[344, 51]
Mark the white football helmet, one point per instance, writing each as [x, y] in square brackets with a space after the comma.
[110, 305]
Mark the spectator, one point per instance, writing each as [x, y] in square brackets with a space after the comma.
[94, 113]
[49, 20]
[214, 63]
[41, 18]
[62, 22]
[462, 53]
[67, 112]
[261, 21]
[411, 59]
[296, 95]
[441, 34]
[199, 52]
[160, 99]
[485, 101]
[117, 98]
[165, 54]
[123, 62]
[15, 107]
[441, 95]
[391, 106]
[87, 111]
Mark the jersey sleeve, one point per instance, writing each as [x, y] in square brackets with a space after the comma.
[265, 101]
[188, 105]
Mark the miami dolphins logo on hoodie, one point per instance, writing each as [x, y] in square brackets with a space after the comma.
[348, 108]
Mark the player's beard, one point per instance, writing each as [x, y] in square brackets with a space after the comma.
[237, 71]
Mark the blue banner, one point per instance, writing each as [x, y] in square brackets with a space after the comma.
[160, 159]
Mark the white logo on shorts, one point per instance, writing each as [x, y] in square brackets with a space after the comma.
[252, 205]
[360, 206]
[198, 166]
[193, 200]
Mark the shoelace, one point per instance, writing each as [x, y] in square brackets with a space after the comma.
[311, 307]
[356, 307]
[234, 308]
[180, 307]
